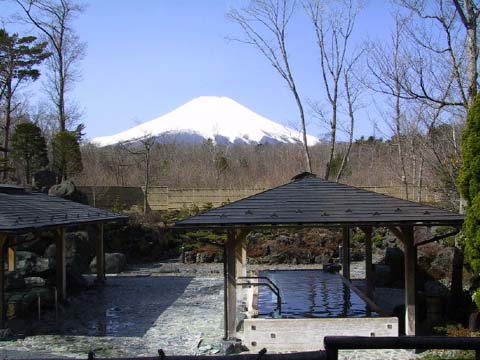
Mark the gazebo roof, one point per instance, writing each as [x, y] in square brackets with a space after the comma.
[311, 200]
[23, 211]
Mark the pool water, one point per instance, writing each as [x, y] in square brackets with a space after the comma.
[311, 294]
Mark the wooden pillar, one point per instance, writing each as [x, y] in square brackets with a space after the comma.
[231, 301]
[3, 241]
[346, 252]
[241, 254]
[368, 262]
[100, 253]
[410, 286]
[61, 270]
[12, 254]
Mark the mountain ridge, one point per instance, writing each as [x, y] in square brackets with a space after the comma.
[219, 118]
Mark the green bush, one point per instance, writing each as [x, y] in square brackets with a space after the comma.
[469, 184]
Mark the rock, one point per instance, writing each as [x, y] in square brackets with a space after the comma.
[443, 263]
[14, 281]
[29, 263]
[331, 268]
[6, 334]
[383, 276]
[114, 263]
[204, 257]
[395, 259]
[67, 190]
[79, 250]
[64, 190]
[50, 251]
[42, 265]
[435, 288]
[34, 281]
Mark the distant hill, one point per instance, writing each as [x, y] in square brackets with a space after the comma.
[220, 119]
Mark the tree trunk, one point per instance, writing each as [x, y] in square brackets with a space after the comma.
[6, 134]
[147, 180]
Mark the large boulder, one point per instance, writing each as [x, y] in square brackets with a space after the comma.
[30, 263]
[79, 251]
[67, 190]
[64, 190]
[114, 263]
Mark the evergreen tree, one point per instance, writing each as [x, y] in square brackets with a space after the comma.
[19, 57]
[29, 148]
[469, 183]
[67, 159]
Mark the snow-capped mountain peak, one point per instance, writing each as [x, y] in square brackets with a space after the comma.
[220, 119]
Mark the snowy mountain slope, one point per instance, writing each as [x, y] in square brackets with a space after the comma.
[210, 117]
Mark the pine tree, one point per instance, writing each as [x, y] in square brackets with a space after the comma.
[67, 158]
[29, 149]
[469, 183]
[19, 57]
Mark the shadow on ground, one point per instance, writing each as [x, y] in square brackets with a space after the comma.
[125, 307]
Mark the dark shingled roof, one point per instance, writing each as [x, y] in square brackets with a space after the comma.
[23, 211]
[310, 200]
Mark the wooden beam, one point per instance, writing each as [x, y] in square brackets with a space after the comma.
[410, 286]
[100, 254]
[3, 241]
[346, 252]
[368, 262]
[231, 286]
[61, 270]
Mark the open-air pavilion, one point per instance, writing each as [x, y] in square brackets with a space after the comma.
[22, 212]
[308, 201]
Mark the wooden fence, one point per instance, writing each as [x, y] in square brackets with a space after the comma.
[164, 198]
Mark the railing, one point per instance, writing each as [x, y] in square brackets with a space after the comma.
[335, 343]
[269, 284]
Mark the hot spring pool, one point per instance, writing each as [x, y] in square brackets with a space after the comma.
[311, 294]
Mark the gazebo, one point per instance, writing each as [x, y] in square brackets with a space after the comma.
[23, 212]
[308, 201]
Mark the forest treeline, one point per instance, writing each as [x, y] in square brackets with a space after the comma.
[432, 163]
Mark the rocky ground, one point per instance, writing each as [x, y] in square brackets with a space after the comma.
[170, 306]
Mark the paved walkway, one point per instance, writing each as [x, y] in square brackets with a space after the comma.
[174, 307]
[132, 316]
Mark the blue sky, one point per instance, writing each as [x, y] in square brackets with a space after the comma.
[147, 57]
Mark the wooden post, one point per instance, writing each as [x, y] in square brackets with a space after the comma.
[368, 262]
[100, 254]
[3, 241]
[410, 286]
[346, 252]
[231, 286]
[12, 256]
[61, 270]
[241, 254]
[225, 297]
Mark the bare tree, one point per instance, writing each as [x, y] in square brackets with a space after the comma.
[333, 23]
[443, 69]
[143, 147]
[388, 69]
[352, 93]
[265, 24]
[53, 19]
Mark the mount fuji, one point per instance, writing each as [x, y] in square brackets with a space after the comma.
[220, 119]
